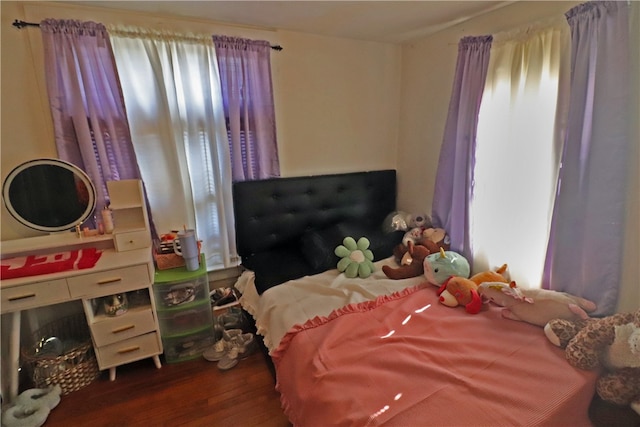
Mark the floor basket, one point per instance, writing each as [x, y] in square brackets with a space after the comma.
[75, 367]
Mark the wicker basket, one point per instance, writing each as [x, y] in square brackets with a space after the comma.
[75, 368]
[167, 261]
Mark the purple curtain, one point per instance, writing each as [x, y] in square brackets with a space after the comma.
[584, 254]
[89, 118]
[245, 76]
[454, 178]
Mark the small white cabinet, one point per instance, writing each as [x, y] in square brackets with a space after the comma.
[130, 216]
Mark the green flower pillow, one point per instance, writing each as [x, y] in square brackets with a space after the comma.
[356, 259]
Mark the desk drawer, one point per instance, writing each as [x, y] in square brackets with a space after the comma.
[131, 324]
[109, 282]
[34, 295]
[127, 351]
[130, 240]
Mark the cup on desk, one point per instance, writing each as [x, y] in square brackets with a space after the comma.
[188, 249]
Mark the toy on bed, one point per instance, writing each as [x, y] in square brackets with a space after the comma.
[438, 267]
[402, 221]
[535, 306]
[611, 343]
[432, 238]
[412, 264]
[457, 291]
[356, 259]
[500, 275]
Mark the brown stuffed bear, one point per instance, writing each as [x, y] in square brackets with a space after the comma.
[432, 238]
[611, 342]
[413, 268]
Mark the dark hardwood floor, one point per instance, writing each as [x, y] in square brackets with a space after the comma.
[192, 393]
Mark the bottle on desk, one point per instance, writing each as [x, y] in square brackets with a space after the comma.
[107, 220]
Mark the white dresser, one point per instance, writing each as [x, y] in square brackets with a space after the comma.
[125, 267]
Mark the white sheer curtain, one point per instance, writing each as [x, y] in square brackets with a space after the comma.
[518, 149]
[172, 94]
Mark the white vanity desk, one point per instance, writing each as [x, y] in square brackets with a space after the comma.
[125, 266]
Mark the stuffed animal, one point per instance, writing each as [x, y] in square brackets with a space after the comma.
[500, 275]
[420, 220]
[413, 235]
[438, 236]
[535, 306]
[356, 257]
[403, 257]
[411, 266]
[402, 221]
[611, 343]
[440, 266]
[457, 291]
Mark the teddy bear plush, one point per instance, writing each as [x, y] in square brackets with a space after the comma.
[610, 343]
[400, 220]
[432, 238]
[411, 265]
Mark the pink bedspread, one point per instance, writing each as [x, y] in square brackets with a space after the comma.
[405, 360]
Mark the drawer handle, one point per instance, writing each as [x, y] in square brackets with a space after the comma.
[107, 281]
[122, 329]
[129, 349]
[24, 296]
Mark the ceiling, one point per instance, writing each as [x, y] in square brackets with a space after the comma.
[380, 21]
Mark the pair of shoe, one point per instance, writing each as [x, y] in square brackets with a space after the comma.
[231, 348]
[31, 408]
[223, 296]
[234, 318]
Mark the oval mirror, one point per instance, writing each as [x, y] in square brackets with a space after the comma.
[49, 195]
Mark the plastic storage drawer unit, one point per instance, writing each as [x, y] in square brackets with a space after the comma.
[184, 312]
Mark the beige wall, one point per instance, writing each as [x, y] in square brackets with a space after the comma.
[341, 105]
[428, 69]
[337, 100]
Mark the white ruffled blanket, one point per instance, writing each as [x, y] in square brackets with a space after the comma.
[294, 302]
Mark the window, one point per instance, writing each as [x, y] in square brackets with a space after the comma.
[173, 98]
[517, 151]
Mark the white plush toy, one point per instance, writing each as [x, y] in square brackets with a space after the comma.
[535, 306]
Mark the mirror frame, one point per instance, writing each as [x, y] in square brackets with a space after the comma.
[78, 173]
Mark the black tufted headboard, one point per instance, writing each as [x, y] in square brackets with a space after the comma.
[288, 227]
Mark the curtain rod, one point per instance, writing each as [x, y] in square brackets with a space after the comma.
[21, 24]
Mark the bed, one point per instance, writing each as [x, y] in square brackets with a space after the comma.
[376, 351]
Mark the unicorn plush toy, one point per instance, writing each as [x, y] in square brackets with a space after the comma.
[439, 266]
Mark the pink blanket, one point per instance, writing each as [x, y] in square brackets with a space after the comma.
[407, 360]
[33, 265]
